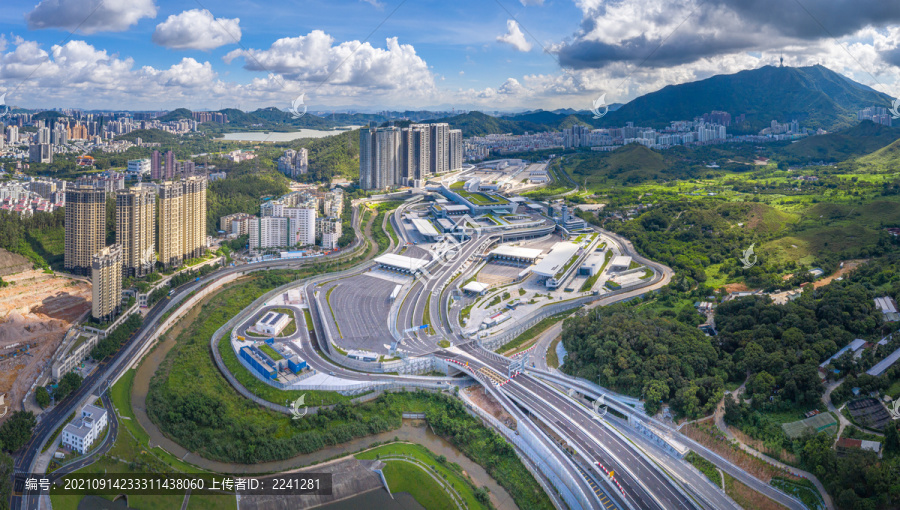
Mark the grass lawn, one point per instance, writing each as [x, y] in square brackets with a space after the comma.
[552, 358]
[589, 283]
[308, 317]
[532, 332]
[405, 477]
[49, 243]
[130, 454]
[426, 315]
[270, 352]
[894, 389]
[333, 317]
[133, 440]
[706, 467]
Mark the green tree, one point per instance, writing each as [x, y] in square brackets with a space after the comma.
[761, 387]
[16, 431]
[6, 474]
[655, 392]
[891, 440]
[69, 383]
[42, 396]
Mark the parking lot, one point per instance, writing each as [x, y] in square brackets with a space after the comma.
[361, 307]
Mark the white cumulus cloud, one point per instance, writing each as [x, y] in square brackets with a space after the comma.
[90, 16]
[514, 37]
[317, 59]
[197, 29]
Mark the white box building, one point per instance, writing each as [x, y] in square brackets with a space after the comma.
[272, 323]
[82, 432]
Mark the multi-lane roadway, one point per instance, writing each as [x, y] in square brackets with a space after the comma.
[643, 482]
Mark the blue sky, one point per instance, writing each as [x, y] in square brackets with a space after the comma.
[505, 54]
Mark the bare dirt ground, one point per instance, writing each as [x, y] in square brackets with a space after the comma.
[489, 404]
[38, 309]
[736, 287]
[849, 265]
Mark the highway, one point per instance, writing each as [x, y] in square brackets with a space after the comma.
[110, 369]
[644, 483]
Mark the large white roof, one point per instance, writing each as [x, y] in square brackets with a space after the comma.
[516, 251]
[425, 227]
[476, 287]
[620, 261]
[401, 261]
[556, 259]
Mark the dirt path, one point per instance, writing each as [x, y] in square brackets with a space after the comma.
[722, 426]
[849, 265]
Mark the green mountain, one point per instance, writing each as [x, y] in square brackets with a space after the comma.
[858, 140]
[885, 159]
[479, 124]
[815, 96]
[631, 164]
[176, 114]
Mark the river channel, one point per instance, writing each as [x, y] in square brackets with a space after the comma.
[414, 431]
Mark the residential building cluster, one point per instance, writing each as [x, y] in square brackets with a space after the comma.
[294, 163]
[85, 133]
[299, 218]
[877, 114]
[26, 198]
[156, 224]
[166, 166]
[709, 128]
[240, 155]
[392, 157]
[108, 181]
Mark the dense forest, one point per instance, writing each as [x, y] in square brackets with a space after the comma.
[653, 357]
[332, 156]
[776, 349]
[241, 192]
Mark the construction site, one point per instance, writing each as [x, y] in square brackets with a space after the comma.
[36, 310]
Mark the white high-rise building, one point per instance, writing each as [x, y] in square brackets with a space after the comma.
[303, 225]
[455, 149]
[269, 232]
[439, 140]
[293, 226]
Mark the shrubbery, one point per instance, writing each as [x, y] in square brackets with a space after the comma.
[115, 340]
